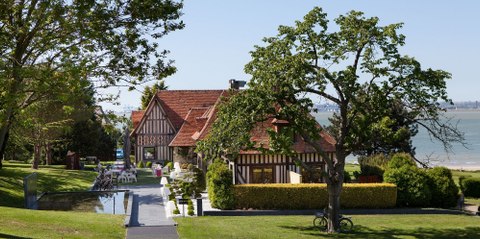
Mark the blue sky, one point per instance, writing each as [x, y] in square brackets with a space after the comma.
[217, 39]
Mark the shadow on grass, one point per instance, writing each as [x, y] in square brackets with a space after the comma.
[49, 180]
[366, 232]
[11, 187]
[12, 237]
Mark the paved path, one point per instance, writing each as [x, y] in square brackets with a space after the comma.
[148, 218]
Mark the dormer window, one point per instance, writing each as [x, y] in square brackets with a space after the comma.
[278, 124]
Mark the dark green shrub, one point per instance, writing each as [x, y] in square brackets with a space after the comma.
[313, 196]
[148, 164]
[443, 188]
[471, 187]
[412, 185]
[176, 210]
[346, 177]
[199, 182]
[190, 208]
[170, 165]
[191, 188]
[220, 185]
[401, 159]
[373, 165]
[186, 189]
[172, 193]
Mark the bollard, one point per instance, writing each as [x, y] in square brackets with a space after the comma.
[199, 207]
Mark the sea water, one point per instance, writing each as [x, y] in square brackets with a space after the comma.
[429, 149]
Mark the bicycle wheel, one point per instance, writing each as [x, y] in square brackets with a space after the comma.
[320, 222]
[346, 225]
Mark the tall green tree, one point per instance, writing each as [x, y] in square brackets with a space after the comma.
[380, 129]
[359, 59]
[90, 138]
[149, 92]
[110, 42]
[46, 121]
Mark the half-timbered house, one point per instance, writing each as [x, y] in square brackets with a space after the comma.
[168, 129]
[156, 127]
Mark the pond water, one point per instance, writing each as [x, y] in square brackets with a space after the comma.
[107, 202]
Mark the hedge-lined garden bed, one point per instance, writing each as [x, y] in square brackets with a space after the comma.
[313, 196]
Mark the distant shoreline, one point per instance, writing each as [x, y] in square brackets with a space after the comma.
[463, 110]
[463, 168]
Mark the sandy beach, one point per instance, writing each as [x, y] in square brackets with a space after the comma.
[464, 168]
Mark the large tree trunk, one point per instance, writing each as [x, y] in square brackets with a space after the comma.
[334, 190]
[4, 134]
[334, 187]
[36, 155]
[48, 153]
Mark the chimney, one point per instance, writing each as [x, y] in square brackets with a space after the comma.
[236, 84]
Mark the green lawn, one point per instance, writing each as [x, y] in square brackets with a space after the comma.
[50, 178]
[23, 223]
[457, 173]
[350, 168]
[475, 201]
[366, 226]
[144, 177]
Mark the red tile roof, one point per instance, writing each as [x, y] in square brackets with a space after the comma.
[211, 115]
[177, 103]
[192, 113]
[261, 137]
[194, 122]
[137, 117]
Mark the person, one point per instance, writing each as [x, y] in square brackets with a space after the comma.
[158, 170]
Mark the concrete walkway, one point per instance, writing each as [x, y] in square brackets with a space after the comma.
[148, 218]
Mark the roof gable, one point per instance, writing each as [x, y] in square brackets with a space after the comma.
[194, 122]
[177, 103]
[145, 114]
[137, 117]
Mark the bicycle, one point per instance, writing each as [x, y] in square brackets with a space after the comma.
[320, 221]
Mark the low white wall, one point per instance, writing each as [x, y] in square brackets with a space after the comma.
[294, 177]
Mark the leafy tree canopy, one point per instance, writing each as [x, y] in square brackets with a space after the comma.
[360, 60]
[110, 42]
[149, 92]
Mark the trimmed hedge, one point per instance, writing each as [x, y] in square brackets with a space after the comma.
[313, 196]
[443, 188]
[413, 186]
[220, 185]
[471, 187]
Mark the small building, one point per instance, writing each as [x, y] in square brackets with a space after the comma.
[174, 120]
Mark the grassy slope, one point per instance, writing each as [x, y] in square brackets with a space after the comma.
[22, 223]
[366, 226]
[457, 173]
[50, 178]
